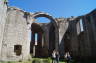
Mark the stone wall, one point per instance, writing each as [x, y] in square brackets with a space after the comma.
[16, 25]
[62, 26]
[82, 43]
[3, 9]
[15, 33]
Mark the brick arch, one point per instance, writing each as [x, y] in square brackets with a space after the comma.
[46, 15]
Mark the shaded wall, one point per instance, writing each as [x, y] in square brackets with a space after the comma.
[82, 43]
[62, 26]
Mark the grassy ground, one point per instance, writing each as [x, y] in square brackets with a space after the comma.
[61, 62]
[48, 60]
[35, 60]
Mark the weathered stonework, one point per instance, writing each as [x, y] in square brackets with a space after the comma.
[62, 34]
[82, 40]
[3, 14]
[15, 33]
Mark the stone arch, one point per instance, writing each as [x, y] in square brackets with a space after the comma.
[46, 15]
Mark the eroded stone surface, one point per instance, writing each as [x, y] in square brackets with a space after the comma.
[62, 34]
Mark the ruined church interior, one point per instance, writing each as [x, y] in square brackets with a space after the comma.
[21, 36]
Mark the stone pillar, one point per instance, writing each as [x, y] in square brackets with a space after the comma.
[3, 15]
[56, 38]
[46, 40]
[46, 35]
[39, 39]
[40, 49]
[33, 43]
[26, 47]
[29, 38]
[33, 37]
[34, 48]
[42, 40]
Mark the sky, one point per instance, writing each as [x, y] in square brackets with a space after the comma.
[56, 8]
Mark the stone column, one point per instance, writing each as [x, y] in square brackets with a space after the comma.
[46, 40]
[28, 21]
[3, 15]
[33, 43]
[42, 40]
[57, 39]
[47, 37]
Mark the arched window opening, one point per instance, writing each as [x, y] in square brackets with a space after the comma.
[36, 38]
[42, 20]
[43, 34]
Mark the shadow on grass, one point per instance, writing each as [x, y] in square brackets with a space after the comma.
[86, 61]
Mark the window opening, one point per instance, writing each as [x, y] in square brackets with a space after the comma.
[17, 49]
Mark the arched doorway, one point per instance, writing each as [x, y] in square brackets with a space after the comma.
[53, 30]
[36, 40]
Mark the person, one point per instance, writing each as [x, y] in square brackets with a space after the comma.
[67, 57]
[57, 56]
[54, 57]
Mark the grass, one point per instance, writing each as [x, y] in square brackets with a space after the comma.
[61, 62]
[16, 62]
[36, 60]
[33, 60]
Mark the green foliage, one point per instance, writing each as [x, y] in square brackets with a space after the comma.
[45, 61]
[41, 60]
[36, 61]
[7, 62]
[16, 62]
[5, 0]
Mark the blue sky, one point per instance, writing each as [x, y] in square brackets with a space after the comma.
[56, 8]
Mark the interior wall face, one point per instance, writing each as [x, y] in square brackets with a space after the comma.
[71, 40]
[15, 33]
[83, 43]
[47, 38]
[63, 26]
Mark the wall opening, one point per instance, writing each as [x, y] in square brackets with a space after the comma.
[36, 40]
[43, 20]
[80, 26]
[18, 49]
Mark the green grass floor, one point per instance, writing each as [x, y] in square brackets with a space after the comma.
[47, 60]
[41, 60]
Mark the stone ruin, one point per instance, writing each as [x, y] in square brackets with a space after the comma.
[76, 35]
